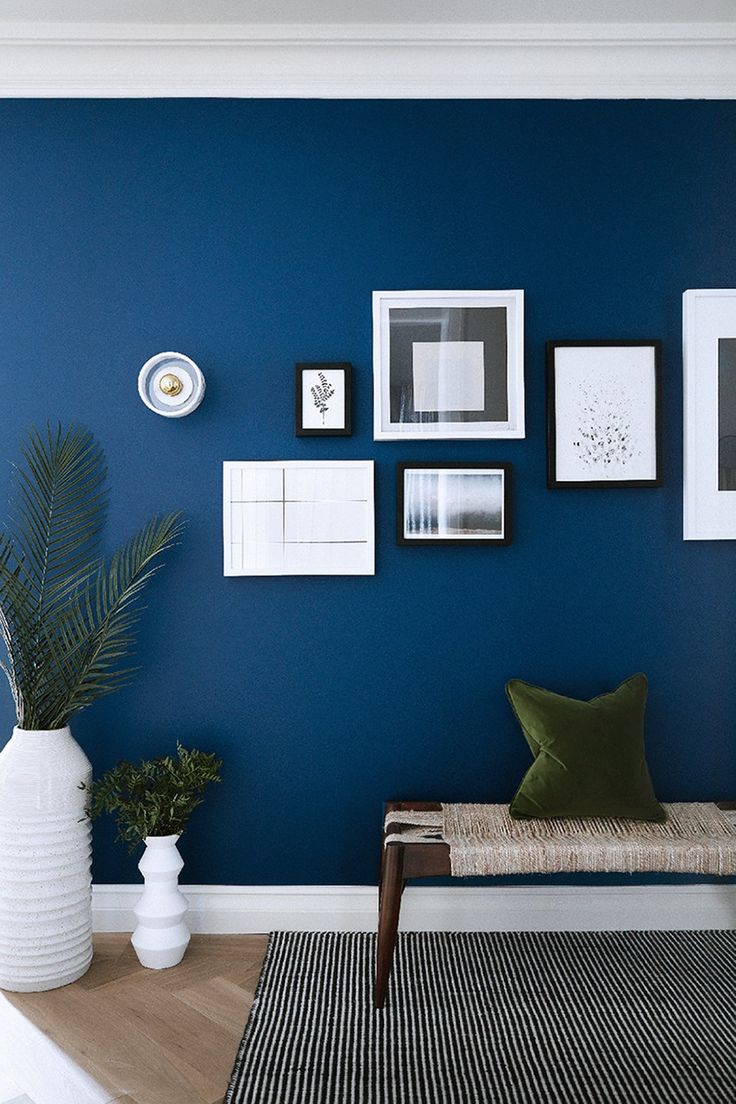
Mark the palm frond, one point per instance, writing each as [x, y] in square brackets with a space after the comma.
[66, 620]
[93, 634]
[58, 509]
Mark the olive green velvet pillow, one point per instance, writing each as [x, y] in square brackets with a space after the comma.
[588, 755]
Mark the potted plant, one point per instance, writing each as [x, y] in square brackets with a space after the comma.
[67, 620]
[152, 802]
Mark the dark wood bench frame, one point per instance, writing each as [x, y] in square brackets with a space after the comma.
[399, 862]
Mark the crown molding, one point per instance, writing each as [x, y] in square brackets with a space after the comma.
[332, 60]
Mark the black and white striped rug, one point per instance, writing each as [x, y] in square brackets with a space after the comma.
[494, 1018]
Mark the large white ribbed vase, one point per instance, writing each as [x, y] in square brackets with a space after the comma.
[161, 937]
[45, 855]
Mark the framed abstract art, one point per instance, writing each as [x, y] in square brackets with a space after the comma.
[448, 364]
[709, 348]
[453, 503]
[603, 414]
[298, 517]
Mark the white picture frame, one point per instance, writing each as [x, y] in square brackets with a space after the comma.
[709, 412]
[298, 517]
[448, 365]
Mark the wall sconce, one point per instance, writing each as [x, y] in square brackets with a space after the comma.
[171, 385]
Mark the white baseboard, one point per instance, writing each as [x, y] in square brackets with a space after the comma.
[242, 909]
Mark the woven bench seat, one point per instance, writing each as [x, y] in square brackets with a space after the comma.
[426, 839]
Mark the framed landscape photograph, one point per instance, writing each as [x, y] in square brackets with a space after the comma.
[709, 348]
[457, 504]
[323, 400]
[603, 414]
[448, 364]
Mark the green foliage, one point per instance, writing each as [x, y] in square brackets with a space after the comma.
[156, 797]
[67, 619]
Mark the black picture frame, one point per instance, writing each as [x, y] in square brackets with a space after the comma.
[346, 429]
[489, 466]
[553, 480]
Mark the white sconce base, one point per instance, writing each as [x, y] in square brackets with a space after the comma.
[171, 384]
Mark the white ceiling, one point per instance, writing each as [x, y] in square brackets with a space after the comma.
[369, 48]
[244, 12]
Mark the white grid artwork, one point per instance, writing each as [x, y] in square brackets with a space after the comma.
[298, 517]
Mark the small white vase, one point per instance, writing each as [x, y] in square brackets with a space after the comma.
[45, 855]
[161, 936]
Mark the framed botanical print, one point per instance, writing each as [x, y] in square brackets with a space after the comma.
[457, 503]
[448, 364]
[709, 348]
[603, 414]
[323, 400]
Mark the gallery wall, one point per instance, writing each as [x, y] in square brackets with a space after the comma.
[250, 235]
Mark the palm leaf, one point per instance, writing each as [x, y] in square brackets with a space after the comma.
[66, 620]
[58, 510]
[95, 632]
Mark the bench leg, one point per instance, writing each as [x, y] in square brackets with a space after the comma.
[392, 885]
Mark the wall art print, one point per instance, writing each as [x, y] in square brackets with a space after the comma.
[453, 503]
[448, 364]
[324, 400]
[298, 517]
[709, 361]
[603, 414]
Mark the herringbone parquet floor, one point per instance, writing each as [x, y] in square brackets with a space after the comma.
[155, 1036]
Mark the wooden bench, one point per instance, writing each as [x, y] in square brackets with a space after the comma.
[401, 861]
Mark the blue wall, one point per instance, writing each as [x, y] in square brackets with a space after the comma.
[250, 236]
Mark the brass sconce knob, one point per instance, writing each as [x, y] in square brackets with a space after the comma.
[170, 384]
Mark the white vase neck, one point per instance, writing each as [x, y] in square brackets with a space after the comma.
[160, 841]
[40, 733]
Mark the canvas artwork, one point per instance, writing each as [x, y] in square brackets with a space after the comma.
[453, 503]
[448, 364]
[294, 517]
[603, 414]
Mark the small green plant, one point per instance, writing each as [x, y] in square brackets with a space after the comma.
[155, 797]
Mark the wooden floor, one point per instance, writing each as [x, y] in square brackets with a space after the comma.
[155, 1036]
